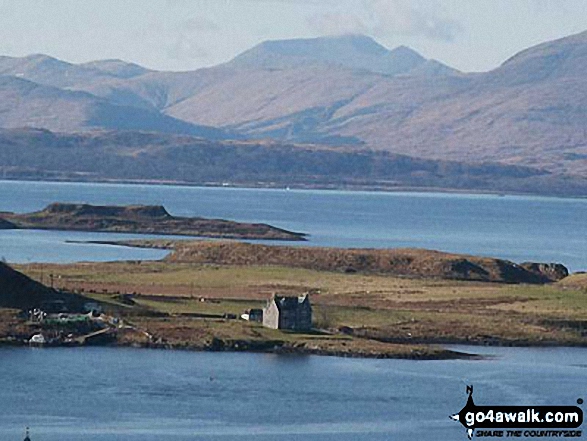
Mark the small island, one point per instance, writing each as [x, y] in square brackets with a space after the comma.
[139, 219]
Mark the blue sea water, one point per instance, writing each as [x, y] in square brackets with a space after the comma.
[104, 394]
[519, 228]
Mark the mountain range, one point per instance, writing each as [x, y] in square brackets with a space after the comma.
[347, 94]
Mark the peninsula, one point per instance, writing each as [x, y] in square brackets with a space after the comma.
[139, 219]
[391, 303]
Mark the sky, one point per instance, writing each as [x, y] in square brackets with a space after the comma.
[470, 35]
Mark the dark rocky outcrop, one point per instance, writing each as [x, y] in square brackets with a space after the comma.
[465, 269]
[551, 272]
[141, 211]
[5, 225]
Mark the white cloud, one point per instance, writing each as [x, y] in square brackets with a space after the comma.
[382, 18]
[337, 23]
[191, 39]
[186, 47]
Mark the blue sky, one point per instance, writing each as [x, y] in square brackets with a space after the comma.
[471, 35]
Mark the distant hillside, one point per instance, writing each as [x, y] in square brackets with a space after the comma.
[352, 91]
[50, 71]
[530, 111]
[346, 92]
[140, 157]
[24, 103]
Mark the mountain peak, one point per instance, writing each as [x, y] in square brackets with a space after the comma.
[117, 68]
[404, 49]
[42, 59]
[321, 46]
[403, 59]
[351, 51]
[362, 43]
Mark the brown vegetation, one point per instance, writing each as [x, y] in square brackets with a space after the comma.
[399, 262]
[177, 302]
[368, 311]
[141, 219]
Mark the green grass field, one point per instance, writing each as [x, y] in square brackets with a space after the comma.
[374, 306]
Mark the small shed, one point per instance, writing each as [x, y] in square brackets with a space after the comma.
[253, 315]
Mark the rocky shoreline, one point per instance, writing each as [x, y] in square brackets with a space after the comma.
[217, 345]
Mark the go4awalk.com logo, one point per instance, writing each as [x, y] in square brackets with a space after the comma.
[520, 421]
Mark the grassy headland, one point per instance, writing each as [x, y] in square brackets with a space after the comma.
[185, 304]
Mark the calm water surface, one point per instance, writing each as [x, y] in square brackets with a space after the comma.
[100, 394]
[513, 227]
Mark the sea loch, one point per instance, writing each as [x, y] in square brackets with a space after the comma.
[105, 394]
[519, 228]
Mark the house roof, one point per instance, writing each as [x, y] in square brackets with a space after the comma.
[288, 302]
